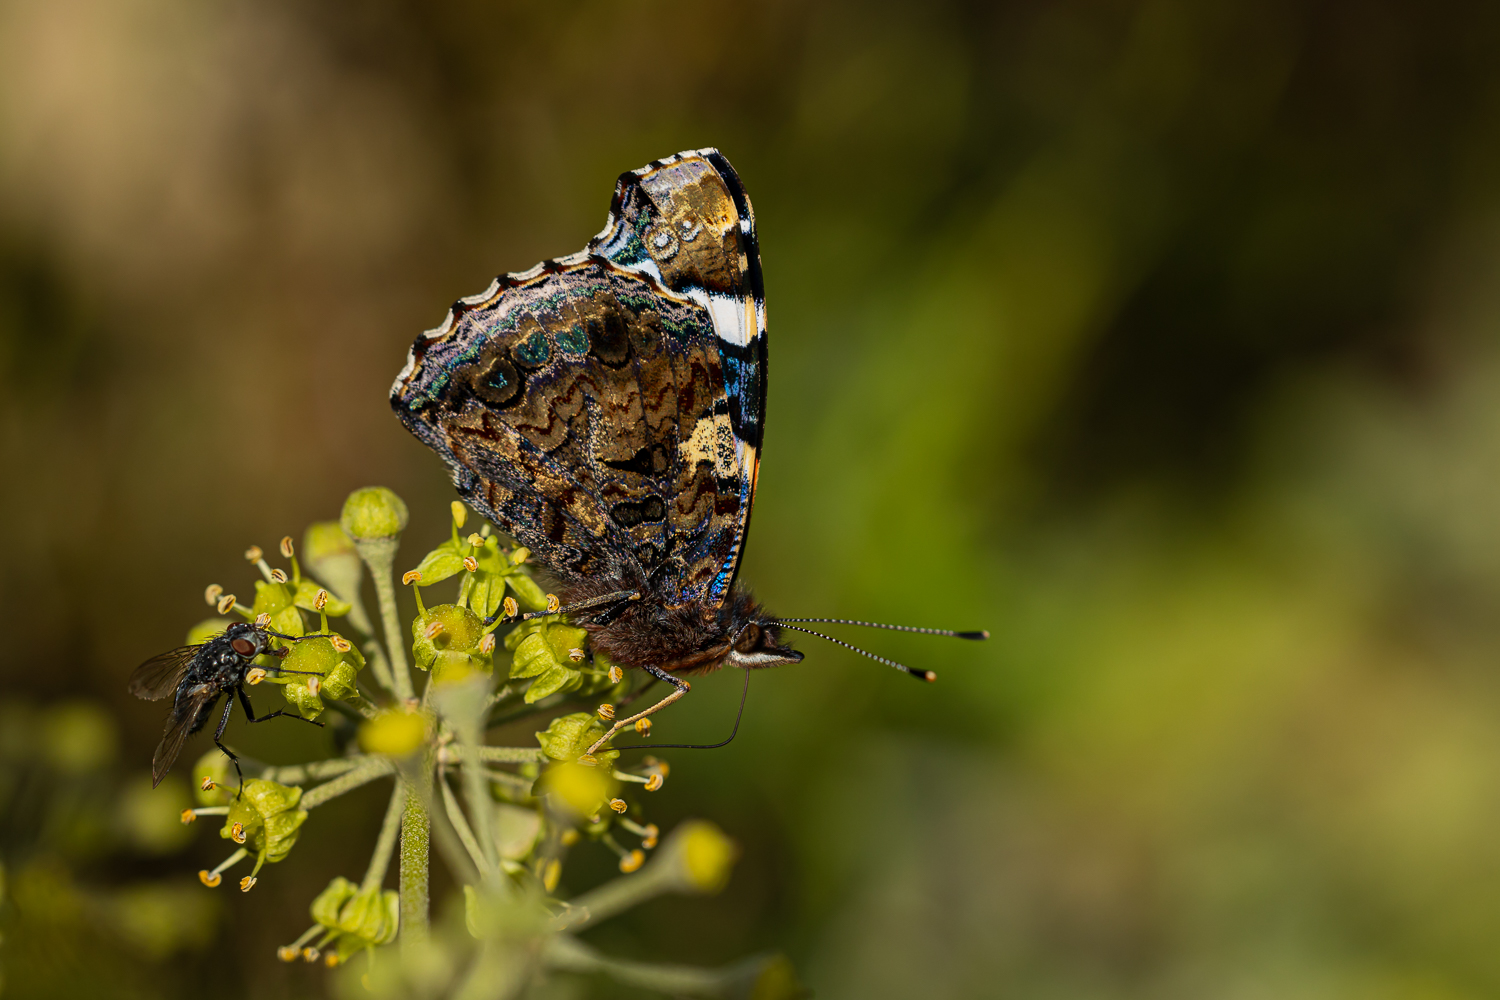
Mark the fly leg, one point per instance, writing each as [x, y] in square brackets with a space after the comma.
[224, 721]
[682, 686]
[250, 712]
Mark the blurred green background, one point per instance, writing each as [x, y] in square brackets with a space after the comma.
[1159, 337]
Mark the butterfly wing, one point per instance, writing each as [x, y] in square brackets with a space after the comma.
[606, 408]
[159, 676]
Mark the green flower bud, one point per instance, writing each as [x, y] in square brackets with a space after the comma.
[373, 512]
[698, 856]
[329, 554]
[278, 601]
[546, 650]
[581, 792]
[327, 904]
[325, 540]
[77, 737]
[318, 660]
[568, 736]
[446, 641]
[207, 629]
[152, 821]
[267, 816]
[393, 733]
[362, 918]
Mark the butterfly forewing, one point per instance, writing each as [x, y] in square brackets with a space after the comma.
[159, 676]
[605, 409]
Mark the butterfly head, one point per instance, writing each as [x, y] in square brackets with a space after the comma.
[755, 637]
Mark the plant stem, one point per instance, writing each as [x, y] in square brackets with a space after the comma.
[461, 826]
[380, 555]
[511, 755]
[380, 859]
[372, 768]
[296, 774]
[568, 953]
[415, 837]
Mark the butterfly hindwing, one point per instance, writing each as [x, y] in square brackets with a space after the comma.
[605, 409]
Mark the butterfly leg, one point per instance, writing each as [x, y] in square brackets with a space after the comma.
[224, 721]
[682, 688]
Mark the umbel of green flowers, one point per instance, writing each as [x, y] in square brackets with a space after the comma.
[503, 819]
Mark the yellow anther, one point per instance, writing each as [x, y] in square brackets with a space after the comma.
[433, 630]
[278, 575]
[237, 833]
[648, 840]
[550, 874]
[255, 676]
[188, 816]
[213, 593]
[632, 861]
[569, 837]
[660, 766]
[207, 784]
[287, 551]
[287, 953]
[254, 554]
[320, 600]
[520, 555]
[487, 643]
[553, 604]
[226, 603]
[576, 655]
[643, 726]
[587, 759]
[248, 882]
[607, 712]
[618, 805]
[471, 564]
[655, 782]
[410, 577]
[262, 620]
[616, 675]
[315, 686]
[460, 512]
[331, 959]
[310, 954]
[510, 607]
[475, 539]
[210, 879]
[341, 644]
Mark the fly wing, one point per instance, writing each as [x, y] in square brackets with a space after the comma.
[160, 675]
[183, 721]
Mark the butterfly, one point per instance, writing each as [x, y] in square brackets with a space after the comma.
[195, 676]
[606, 409]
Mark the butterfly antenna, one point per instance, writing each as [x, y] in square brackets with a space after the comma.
[921, 675]
[699, 746]
[981, 634]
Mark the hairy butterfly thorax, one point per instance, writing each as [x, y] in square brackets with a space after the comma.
[607, 409]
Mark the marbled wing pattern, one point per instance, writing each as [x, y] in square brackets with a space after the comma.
[606, 408]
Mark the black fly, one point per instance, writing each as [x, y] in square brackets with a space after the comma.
[196, 676]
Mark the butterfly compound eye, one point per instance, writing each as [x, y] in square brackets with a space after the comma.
[244, 647]
[749, 639]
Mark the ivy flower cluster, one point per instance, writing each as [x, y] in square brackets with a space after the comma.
[504, 819]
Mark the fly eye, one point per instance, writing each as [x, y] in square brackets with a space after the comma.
[244, 647]
[749, 639]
